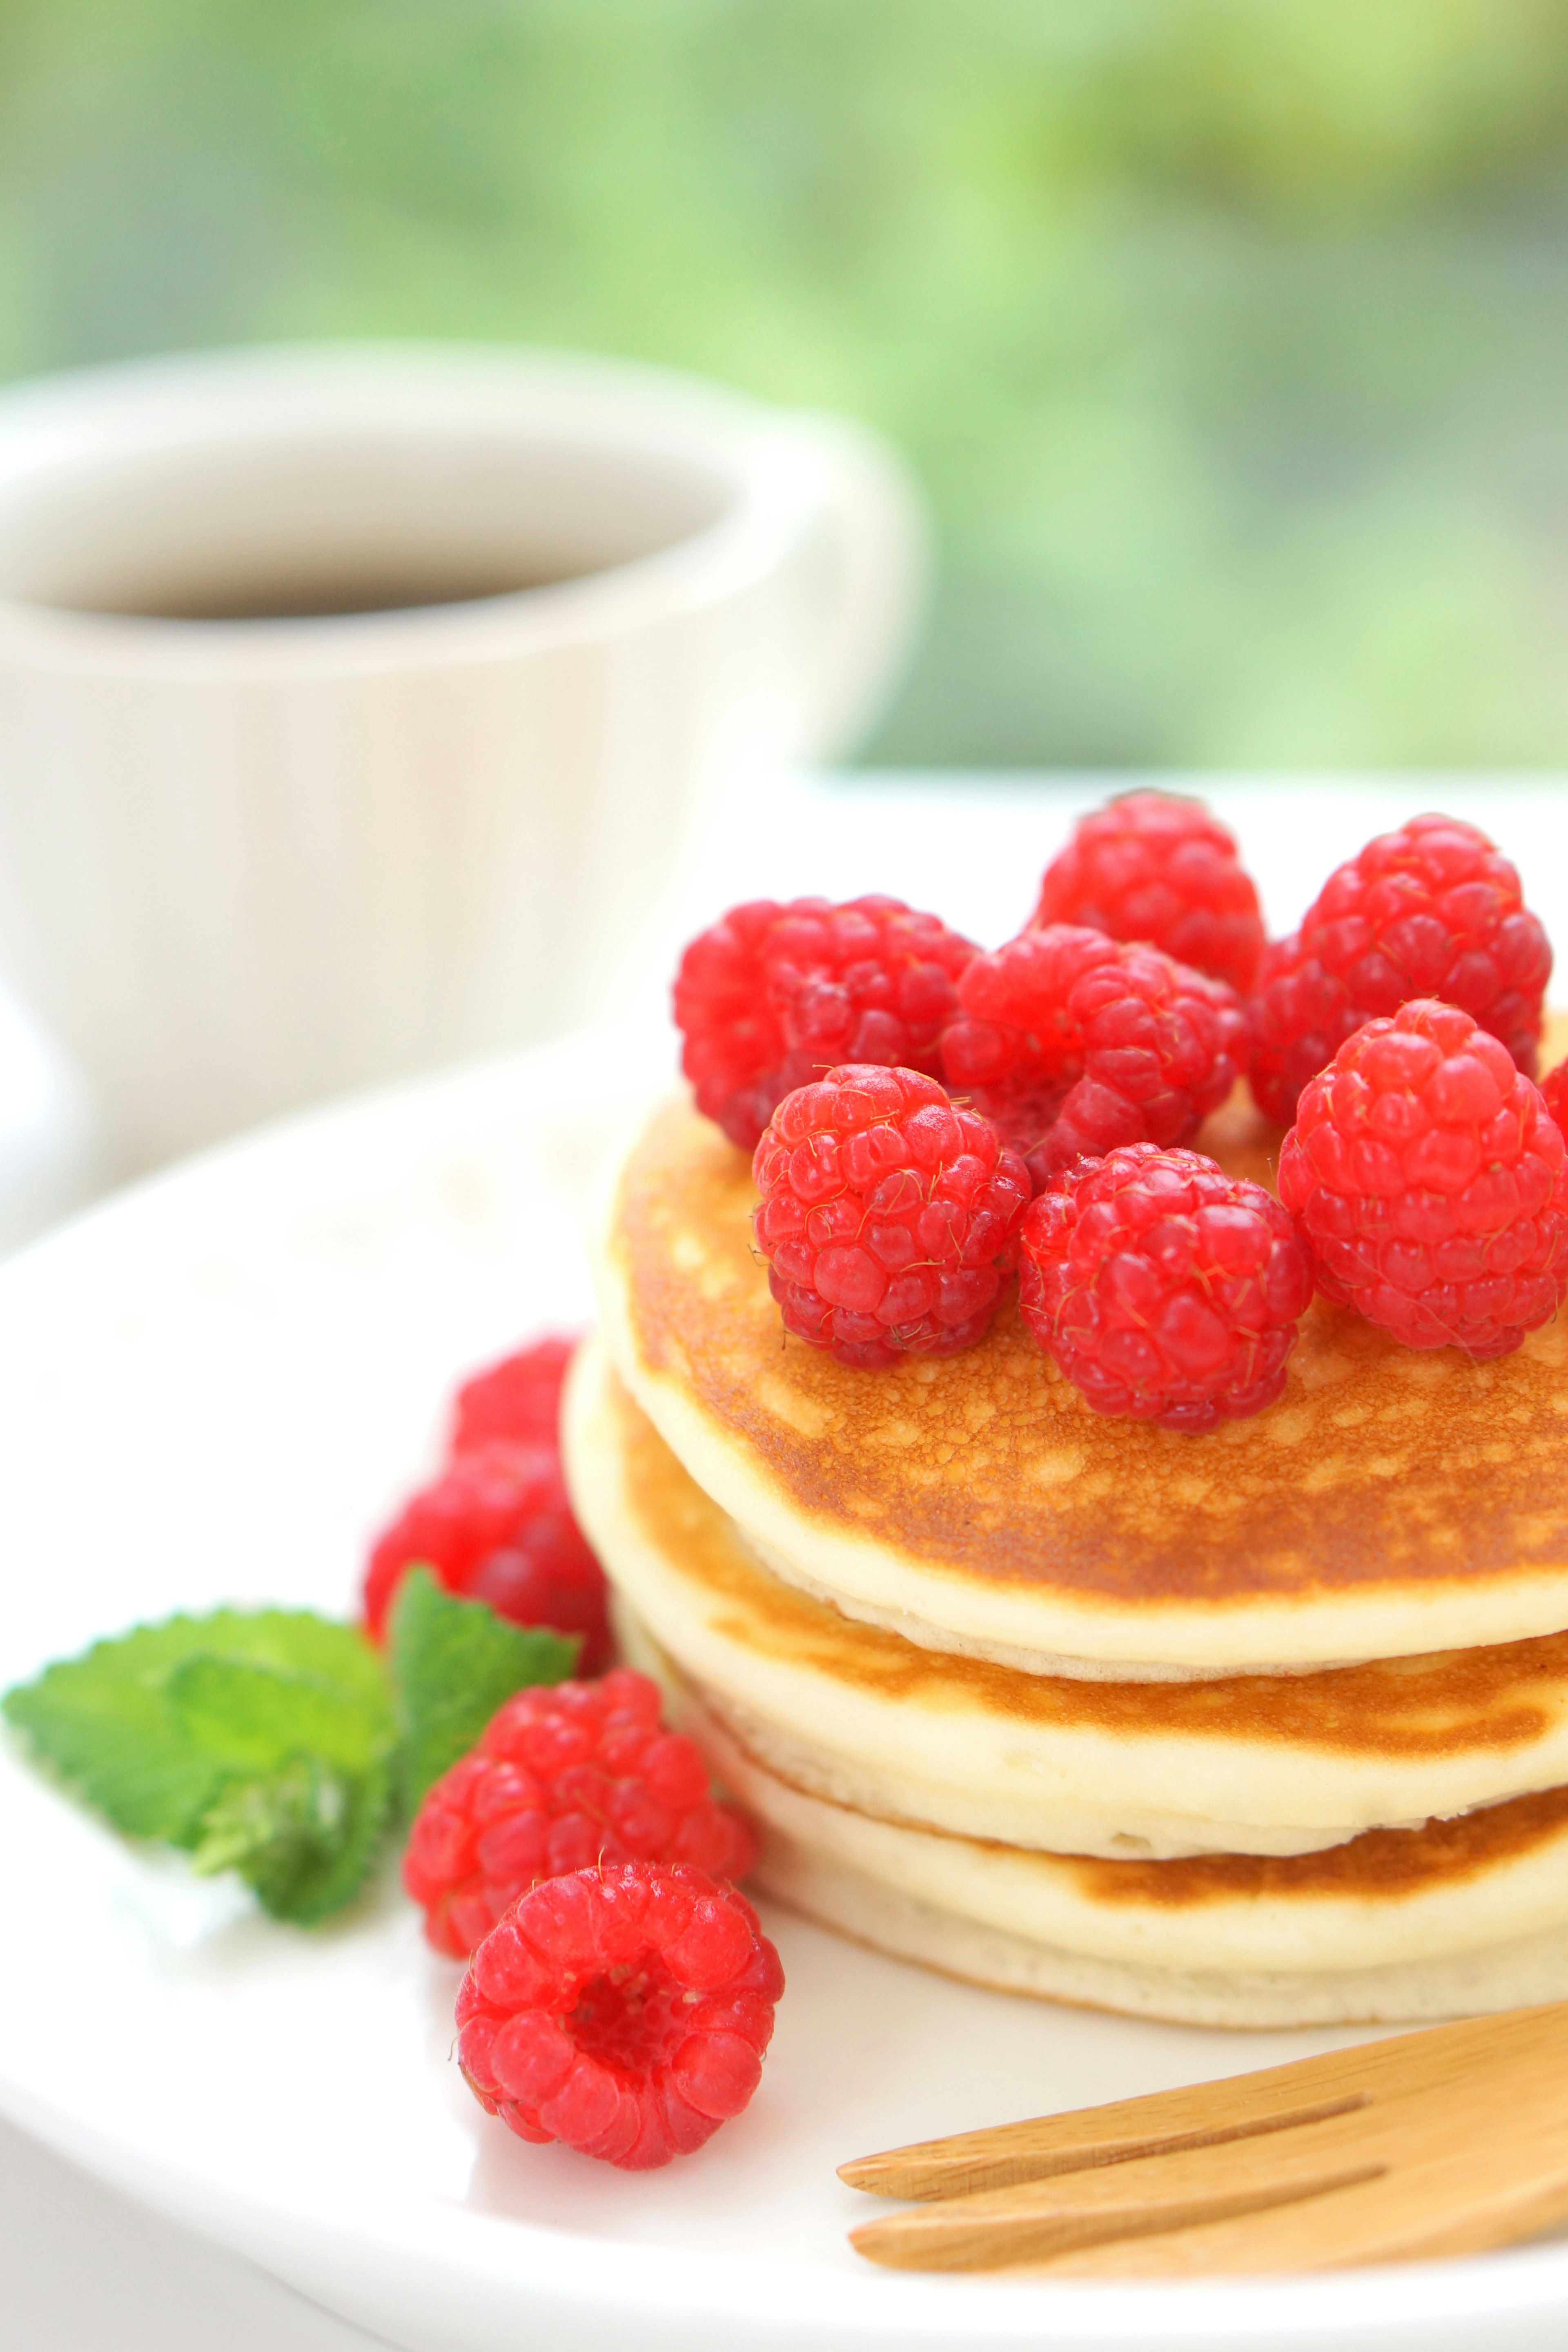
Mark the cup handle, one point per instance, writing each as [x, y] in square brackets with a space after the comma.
[875, 547]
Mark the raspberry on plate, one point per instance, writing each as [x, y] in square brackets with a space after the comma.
[1430, 911]
[1073, 1043]
[1164, 1289]
[772, 995]
[887, 1216]
[1431, 1183]
[624, 2010]
[518, 1399]
[1158, 866]
[497, 1527]
[563, 1776]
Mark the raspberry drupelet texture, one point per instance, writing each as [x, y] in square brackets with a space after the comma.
[887, 1217]
[1155, 867]
[1430, 911]
[1554, 1094]
[1431, 1183]
[773, 995]
[1073, 1043]
[497, 1525]
[625, 2011]
[1164, 1289]
[563, 1776]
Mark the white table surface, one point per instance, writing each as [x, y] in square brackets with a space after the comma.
[81, 2265]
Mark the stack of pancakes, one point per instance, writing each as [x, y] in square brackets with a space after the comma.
[1264, 1728]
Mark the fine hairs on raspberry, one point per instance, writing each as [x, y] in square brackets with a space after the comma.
[1163, 1288]
[1431, 1183]
[887, 1216]
[770, 996]
[1072, 1044]
[1428, 910]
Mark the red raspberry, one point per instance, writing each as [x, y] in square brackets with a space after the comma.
[1164, 1289]
[1430, 911]
[1554, 1094]
[624, 2010]
[772, 996]
[1431, 1184]
[1074, 1044]
[518, 1399]
[888, 1218]
[497, 1525]
[563, 1776]
[1151, 866]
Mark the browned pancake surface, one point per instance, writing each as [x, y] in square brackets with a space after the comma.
[1450, 1703]
[1381, 1867]
[1382, 1466]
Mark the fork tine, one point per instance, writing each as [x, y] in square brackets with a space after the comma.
[1240, 2106]
[1396, 2218]
[1040, 2218]
[1168, 2190]
[1046, 2147]
[1483, 2164]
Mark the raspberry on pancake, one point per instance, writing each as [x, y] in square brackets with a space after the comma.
[1164, 1289]
[887, 1216]
[1431, 1182]
[770, 996]
[1158, 866]
[1428, 910]
[1073, 1043]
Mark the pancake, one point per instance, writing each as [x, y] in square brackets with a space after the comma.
[1393, 1503]
[860, 1716]
[868, 1911]
[1397, 1924]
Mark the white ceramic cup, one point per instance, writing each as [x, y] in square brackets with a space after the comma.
[250, 862]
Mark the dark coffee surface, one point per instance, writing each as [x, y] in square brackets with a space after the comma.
[324, 596]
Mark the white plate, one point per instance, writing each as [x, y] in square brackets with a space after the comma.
[211, 1391]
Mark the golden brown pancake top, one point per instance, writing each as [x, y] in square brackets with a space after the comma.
[1382, 1466]
[1448, 1703]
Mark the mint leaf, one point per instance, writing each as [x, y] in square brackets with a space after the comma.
[302, 1836]
[453, 1663]
[261, 1741]
[249, 1711]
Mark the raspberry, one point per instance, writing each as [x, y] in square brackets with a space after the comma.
[1164, 1289]
[563, 1776]
[1430, 1181]
[497, 1525]
[518, 1399]
[1430, 911]
[772, 996]
[1074, 1044]
[1554, 1095]
[1151, 866]
[624, 2010]
[888, 1218]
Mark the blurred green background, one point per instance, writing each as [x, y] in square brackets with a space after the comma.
[1229, 336]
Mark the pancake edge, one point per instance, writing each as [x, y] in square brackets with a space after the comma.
[851, 1904]
[1037, 1631]
[1043, 1898]
[1060, 1788]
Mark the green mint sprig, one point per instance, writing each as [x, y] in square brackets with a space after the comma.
[278, 1743]
[453, 1663]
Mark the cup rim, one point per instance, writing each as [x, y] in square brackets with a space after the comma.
[779, 461]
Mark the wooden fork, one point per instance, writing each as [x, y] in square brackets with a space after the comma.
[1443, 2142]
